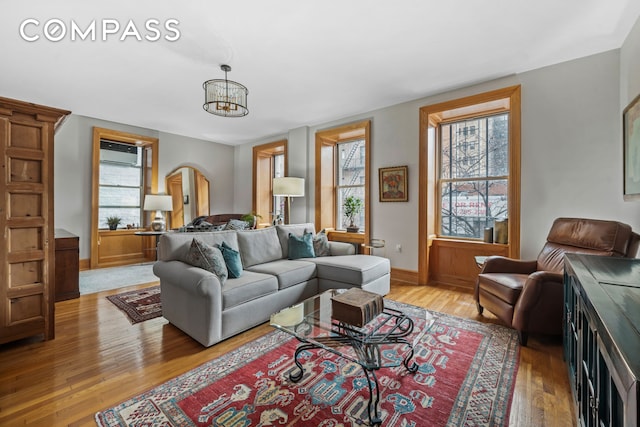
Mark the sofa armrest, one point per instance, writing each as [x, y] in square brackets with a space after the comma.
[500, 264]
[194, 280]
[191, 300]
[341, 248]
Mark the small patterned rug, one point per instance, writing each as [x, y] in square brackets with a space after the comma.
[139, 305]
[466, 377]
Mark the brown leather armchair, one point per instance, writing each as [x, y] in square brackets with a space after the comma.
[528, 295]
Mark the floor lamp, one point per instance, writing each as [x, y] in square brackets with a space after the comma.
[288, 187]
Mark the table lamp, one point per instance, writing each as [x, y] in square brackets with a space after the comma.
[158, 203]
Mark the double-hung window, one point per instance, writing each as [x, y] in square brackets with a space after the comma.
[469, 178]
[474, 172]
[342, 170]
[269, 161]
[120, 183]
[279, 202]
[350, 179]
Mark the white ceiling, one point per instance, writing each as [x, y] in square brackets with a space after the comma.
[305, 62]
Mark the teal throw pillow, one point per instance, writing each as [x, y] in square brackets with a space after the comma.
[321, 244]
[232, 260]
[207, 257]
[301, 247]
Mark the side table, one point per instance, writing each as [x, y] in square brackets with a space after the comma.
[157, 234]
[374, 244]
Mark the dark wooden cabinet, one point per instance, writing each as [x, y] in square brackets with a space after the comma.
[67, 265]
[602, 338]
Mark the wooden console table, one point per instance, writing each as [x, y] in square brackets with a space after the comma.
[67, 265]
[356, 239]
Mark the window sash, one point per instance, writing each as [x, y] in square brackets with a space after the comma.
[117, 199]
[279, 202]
[341, 194]
[467, 204]
[350, 167]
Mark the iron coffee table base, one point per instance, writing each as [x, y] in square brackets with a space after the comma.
[368, 352]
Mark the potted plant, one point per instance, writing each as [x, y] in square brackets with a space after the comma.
[251, 218]
[113, 222]
[352, 207]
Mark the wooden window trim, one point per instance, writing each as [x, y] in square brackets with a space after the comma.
[152, 187]
[266, 151]
[326, 163]
[430, 117]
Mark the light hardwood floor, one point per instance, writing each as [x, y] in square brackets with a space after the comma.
[98, 359]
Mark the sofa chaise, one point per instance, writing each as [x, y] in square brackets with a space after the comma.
[195, 301]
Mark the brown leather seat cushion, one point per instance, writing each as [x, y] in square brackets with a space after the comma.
[505, 286]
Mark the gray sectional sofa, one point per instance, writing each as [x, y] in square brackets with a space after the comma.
[194, 300]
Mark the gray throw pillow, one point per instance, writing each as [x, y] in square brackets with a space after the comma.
[321, 244]
[236, 224]
[207, 257]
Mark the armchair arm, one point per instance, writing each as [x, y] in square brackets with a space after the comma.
[539, 308]
[500, 264]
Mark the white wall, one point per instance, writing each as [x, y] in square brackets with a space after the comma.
[298, 166]
[630, 67]
[571, 155]
[572, 146]
[72, 170]
[215, 161]
[571, 150]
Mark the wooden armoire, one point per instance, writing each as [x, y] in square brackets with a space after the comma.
[26, 219]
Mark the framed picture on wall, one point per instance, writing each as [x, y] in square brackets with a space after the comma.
[631, 149]
[393, 184]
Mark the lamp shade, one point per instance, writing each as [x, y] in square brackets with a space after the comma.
[157, 202]
[288, 186]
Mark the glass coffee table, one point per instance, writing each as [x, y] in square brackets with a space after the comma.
[385, 342]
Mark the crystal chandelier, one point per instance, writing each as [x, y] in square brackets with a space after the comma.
[225, 97]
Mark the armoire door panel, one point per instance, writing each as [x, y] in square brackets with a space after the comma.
[25, 170]
[27, 309]
[26, 136]
[24, 205]
[25, 273]
[25, 239]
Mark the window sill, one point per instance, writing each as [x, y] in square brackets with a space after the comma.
[464, 243]
[343, 236]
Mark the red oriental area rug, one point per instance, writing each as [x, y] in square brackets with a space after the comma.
[139, 305]
[466, 377]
